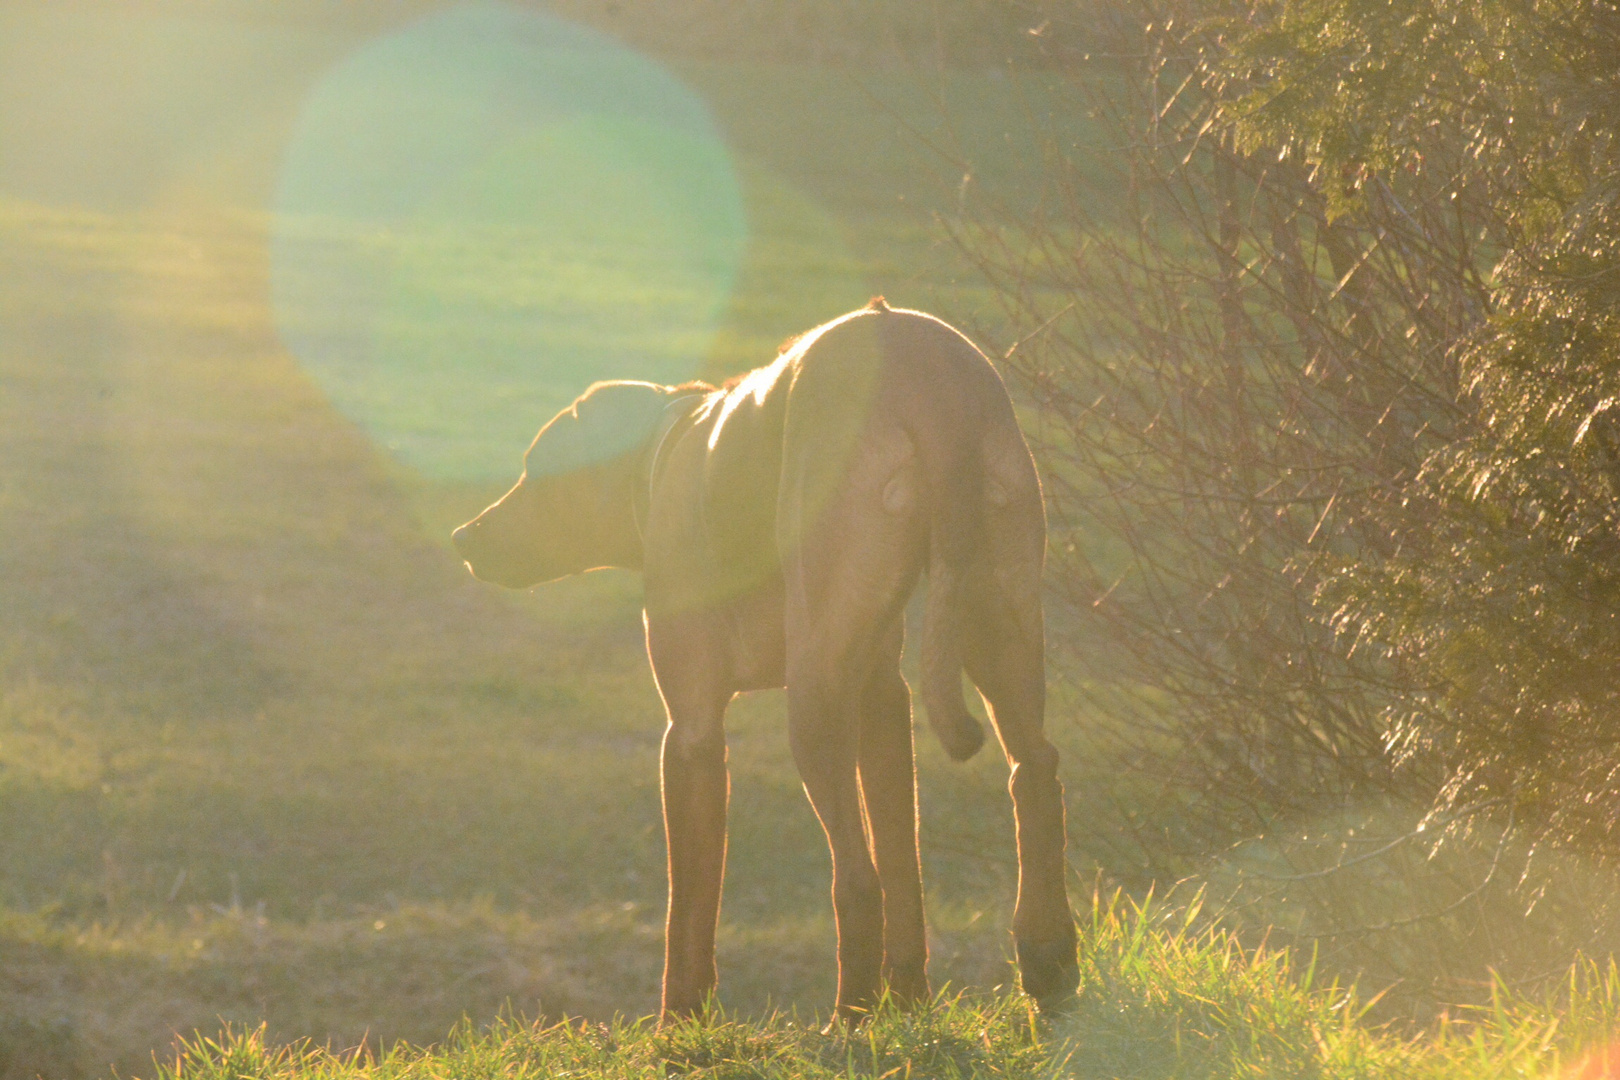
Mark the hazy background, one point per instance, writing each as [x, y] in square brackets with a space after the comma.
[284, 292]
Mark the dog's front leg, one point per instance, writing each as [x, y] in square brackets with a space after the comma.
[696, 788]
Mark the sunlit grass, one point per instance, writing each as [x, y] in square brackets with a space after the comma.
[1163, 997]
[268, 754]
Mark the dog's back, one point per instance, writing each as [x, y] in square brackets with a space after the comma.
[905, 399]
[780, 524]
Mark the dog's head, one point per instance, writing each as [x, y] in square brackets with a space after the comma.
[573, 509]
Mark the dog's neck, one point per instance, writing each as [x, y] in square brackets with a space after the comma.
[623, 490]
[617, 541]
[651, 458]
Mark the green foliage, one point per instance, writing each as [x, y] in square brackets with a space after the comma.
[1501, 597]
[1365, 93]
[1497, 592]
[1325, 364]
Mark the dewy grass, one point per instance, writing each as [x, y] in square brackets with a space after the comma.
[1163, 997]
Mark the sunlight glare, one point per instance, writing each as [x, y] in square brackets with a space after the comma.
[484, 212]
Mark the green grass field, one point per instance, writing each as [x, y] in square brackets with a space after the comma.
[1158, 999]
[268, 755]
[279, 780]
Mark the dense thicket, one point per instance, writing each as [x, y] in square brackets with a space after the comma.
[1320, 324]
[1502, 596]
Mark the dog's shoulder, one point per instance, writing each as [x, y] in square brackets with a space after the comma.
[742, 464]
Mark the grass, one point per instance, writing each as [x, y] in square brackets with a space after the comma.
[268, 755]
[274, 768]
[1161, 997]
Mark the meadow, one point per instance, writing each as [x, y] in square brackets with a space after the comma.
[1160, 998]
[268, 754]
[284, 793]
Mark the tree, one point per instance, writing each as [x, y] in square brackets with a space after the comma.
[1507, 603]
[1318, 327]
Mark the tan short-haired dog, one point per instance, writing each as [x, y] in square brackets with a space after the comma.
[780, 524]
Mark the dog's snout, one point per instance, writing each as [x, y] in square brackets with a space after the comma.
[462, 538]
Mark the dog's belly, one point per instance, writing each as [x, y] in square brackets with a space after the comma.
[756, 640]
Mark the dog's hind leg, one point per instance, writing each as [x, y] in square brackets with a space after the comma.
[823, 711]
[839, 611]
[1004, 657]
[849, 559]
[889, 796]
[696, 788]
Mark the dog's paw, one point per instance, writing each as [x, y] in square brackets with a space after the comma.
[1049, 972]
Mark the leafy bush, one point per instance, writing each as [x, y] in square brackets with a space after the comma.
[1320, 333]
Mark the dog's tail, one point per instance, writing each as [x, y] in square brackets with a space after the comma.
[955, 539]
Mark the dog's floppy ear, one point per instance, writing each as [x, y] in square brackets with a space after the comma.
[609, 419]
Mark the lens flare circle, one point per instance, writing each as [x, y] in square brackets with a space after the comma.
[480, 214]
